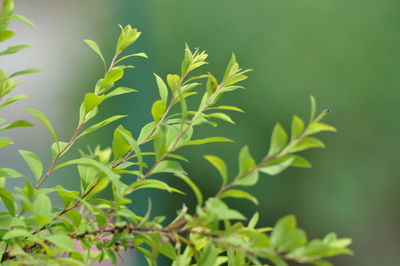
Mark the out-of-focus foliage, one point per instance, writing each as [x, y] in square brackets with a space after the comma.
[35, 232]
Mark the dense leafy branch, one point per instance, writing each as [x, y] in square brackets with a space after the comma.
[90, 228]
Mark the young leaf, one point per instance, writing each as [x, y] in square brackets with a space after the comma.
[279, 139]
[14, 49]
[153, 183]
[120, 145]
[277, 168]
[92, 100]
[169, 167]
[193, 186]
[46, 122]
[23, 20]
[162, 89]
[34, 163]
[281, 229]
[236, 193]
[16, 124]
[135, 146]
[8, 199]
[300, 162]
[318, 127]
[313, 109]
[26, 71]
[207, 140]
[9, 173]
[158, 110]
[100, 125]
[222, 116]
[111, 77]
[16, 233]
[93, 45]
[297, 127]
[12, 100]
[62, 241]
[249, 176]
[119, 91]
[307, 143]
[220, 165]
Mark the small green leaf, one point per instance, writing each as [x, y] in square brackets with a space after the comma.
[209, 255]
[220, 165]
[169, 166]
[277, 168]
[6, 34]
[62, 241]
[132, 55]
[92, 100]
[16, 124]
[5, 141]
[112, 76]
[313, 109]
[8, 199]
[153, 183]
[158, 110]
[318, 127]
[23, 20]
[9, 173]
[281, 228]
[220, 211]
[173, 81]
[14, 49]
[193, 186]
[236, 193]
[100, 125]
[34, 163]
[12, 100]
[120, 144]
[162, 89]
[119, 91]
[279, 139]
[212, 84]
[249, 176]
[135, 146]
[227, 107]
[307, 143]
[46, 122]
[222, 116]
[93, 45]
[297, 127]
[16, 233]
[26, 71]
[207, 140]
[300, 161]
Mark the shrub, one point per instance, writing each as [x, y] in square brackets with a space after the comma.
[33, 231]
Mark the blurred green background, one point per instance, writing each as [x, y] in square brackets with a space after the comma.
[345, 53]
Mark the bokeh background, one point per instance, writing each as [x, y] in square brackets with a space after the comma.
[344, 52]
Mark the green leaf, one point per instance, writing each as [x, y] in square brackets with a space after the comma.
[23, 20]
[253, 221]
[120, 144]
[235, 193]
[16, 233]
[209, 255]
[212, 84]
[318, 127]
[313, 109]
[46, 122]
[279, 139]
[158, 110]
[207, 140]
[8, 199]
[227, 107]
[220, 165]
[146, 131]
[14, 49]
[6, 34]
[153, 183]
[300, 161]
[297, 127]
[220, 211]
[100, 125]
[277, 168]
[12, 100]
[112, 76]
[93, 45]
[222, 116]
[62, 241]
[132, 55]
[307, 143]
[41, 209]
[34, 163]
[193, 186]
[249, 176]
[119, 91]
[169, 166]
[16, 124]
[5, 141]
[92, 100]
[26, 71]
[281, 229]
[173, 81]
[135, 146]
[9, 173]
[162, 88]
